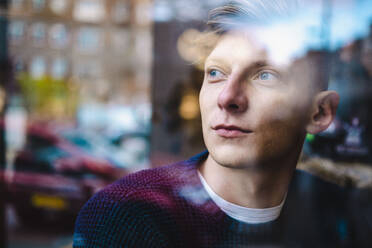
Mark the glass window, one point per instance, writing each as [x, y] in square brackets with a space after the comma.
[33, 164]
[16, 4]
[58, 36]
[89, 10]
[59, 68]
[58, 6]
[89, 39]
[16, 31]
[120, 12]
[38, 34]
[189, 10]
[38, 5]
[19, 64]
[163, 11]
[38, 66]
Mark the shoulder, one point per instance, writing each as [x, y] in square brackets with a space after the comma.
[160, 179]
[317, 195]
[163, 179]
[122, 213]
[312, 184]
[346, 210]
[106, 222]
[319, 207]
[132, 208]
[360, 206]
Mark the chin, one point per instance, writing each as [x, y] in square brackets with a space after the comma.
[232, 156]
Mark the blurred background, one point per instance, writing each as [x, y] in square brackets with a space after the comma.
[91, 90]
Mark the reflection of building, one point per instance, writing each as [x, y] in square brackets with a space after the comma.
[104, 45]
[176, 82]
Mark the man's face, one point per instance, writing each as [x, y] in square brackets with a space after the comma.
[253, 111]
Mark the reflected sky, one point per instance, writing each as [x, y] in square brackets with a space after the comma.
[319, 25]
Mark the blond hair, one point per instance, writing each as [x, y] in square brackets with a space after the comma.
[239, 13]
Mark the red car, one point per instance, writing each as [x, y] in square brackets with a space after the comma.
[52, 178]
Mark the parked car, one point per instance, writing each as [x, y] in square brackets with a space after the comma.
[52, 177]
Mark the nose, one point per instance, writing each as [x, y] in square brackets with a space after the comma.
[233, 97]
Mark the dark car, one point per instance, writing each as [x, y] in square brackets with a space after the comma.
[342, 141]
[52, 178]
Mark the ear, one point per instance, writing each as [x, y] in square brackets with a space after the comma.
[323, 111]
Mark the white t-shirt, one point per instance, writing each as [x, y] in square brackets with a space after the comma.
[243, 214]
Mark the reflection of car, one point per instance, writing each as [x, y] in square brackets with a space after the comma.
[342, 141]
[132, 149]
[127, 150]
[53, 177]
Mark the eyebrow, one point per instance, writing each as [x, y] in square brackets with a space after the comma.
[216, 60]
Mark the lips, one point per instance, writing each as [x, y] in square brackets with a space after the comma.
[231, 131]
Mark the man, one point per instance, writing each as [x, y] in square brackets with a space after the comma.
[256, 109]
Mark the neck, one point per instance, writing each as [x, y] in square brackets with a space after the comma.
[249, 187]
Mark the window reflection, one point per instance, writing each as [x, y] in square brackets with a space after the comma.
[89, 10]
[59, 68]
[38, 66]
[89, 39]
[59, 6]
[38, 5]
[119, 79]
[16, 31]
[38, 34]
[58, 36]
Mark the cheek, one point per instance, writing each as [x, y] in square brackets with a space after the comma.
[202, 103]
[206, 101]
[289, 108]
[281, 120]
[204, 109]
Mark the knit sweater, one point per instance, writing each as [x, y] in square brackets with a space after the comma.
[168, 207]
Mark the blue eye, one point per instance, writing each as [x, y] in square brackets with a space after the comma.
[214, 73]
[266, 76]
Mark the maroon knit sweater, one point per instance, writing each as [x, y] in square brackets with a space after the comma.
[168, 207]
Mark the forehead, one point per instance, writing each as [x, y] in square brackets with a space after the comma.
[240, 47]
